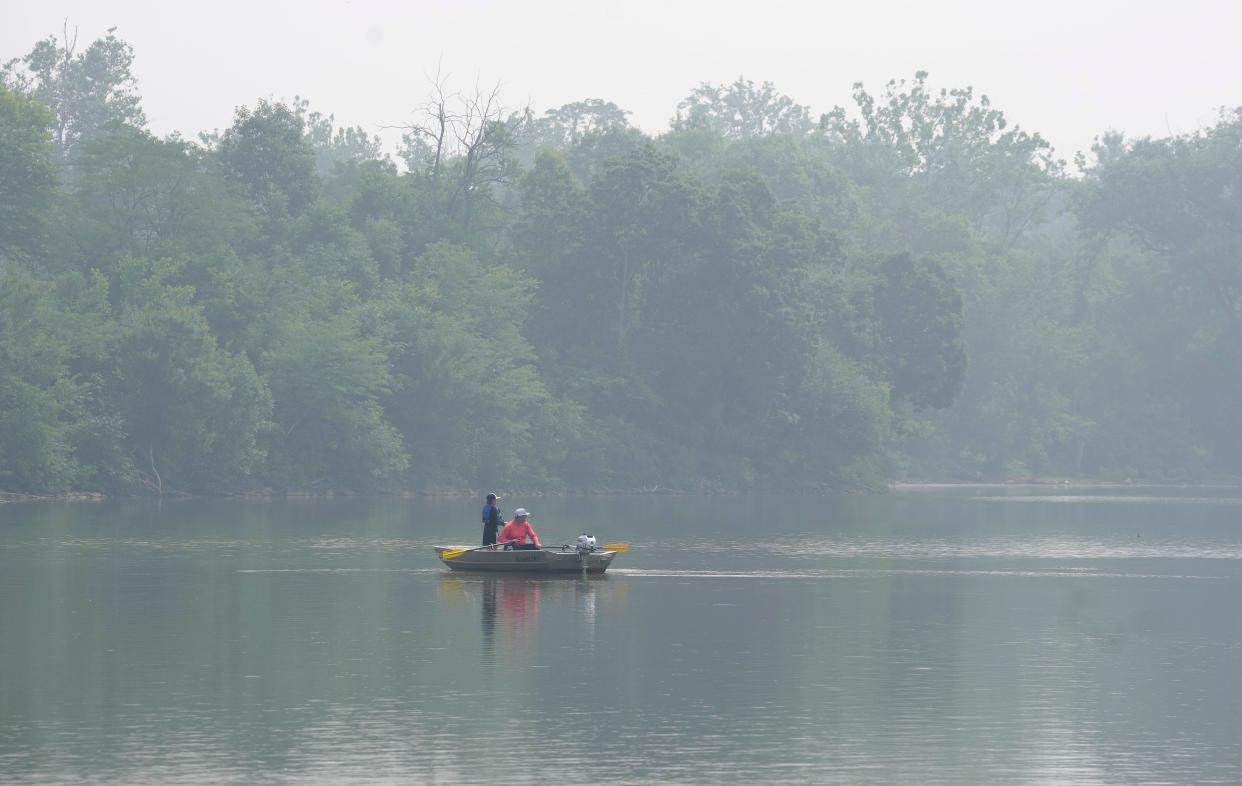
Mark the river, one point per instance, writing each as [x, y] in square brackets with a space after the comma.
[1046, 635]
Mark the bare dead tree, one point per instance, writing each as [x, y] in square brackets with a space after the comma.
[460, 143]
[66, 63]
[481, 140]
[428, 139]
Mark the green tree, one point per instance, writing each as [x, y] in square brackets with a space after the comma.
[193, 412]
[266, 151]
[585, 133]
[1169, 214]
[135, 195]
[335, 146]
[471, 403]
[27, 176]
[546, 231]
[327, 377]
[843, 431]
[642, 217]
[1182, 198]
[86, 91]
[382, 207]
[741, 110]
[568, 124]
[918, 331]
[719, 339]
[38, 396]
[140, 195]
[941, 157]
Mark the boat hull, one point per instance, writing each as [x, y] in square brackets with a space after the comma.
[529, 561]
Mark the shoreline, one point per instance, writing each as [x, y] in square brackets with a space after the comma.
[895, 486]
[62, 496]
[931, 485]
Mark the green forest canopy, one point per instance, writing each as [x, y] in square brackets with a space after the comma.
[757, 297]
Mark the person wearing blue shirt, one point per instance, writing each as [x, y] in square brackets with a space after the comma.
[493, 520]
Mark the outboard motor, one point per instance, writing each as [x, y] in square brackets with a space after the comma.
[586, 544]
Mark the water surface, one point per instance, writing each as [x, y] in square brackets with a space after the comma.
[1035, 636]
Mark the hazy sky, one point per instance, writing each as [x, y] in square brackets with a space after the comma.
[1069, 70]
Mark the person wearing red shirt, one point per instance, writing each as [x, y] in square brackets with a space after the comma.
[515, 532]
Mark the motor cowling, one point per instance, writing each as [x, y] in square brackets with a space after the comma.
[586, 543]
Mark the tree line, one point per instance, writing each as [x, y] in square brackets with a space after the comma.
[754, 298]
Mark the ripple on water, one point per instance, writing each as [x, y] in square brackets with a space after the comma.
[1032, 547]
[701, 657]
[1102, 499]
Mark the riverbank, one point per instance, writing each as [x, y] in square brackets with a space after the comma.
[896, 486]
[67, 496]
[911, 486]
[933, 485]
[269, 494]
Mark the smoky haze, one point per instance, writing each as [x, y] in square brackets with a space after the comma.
[622, 247]
[1068, 70]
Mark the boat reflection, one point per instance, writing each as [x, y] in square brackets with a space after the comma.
[510, 607]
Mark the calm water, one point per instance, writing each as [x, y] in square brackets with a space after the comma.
[972, 637]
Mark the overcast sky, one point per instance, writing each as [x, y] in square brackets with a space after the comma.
[1069, 70]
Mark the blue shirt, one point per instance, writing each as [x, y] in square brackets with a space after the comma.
[487, 509]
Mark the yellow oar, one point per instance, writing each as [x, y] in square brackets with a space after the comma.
[454, 553]
[616, 547]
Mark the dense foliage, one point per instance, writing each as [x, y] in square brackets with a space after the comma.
[754, 298]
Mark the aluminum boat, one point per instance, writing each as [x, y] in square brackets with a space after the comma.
[553, 559]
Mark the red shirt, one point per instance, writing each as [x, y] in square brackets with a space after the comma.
[517, 532]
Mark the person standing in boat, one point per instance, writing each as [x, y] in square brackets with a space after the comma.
[516, 532]
[493, 520]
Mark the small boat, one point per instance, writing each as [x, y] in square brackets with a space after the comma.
[550, 559]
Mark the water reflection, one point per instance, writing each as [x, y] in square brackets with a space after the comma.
[512, 606]
[894, 640]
